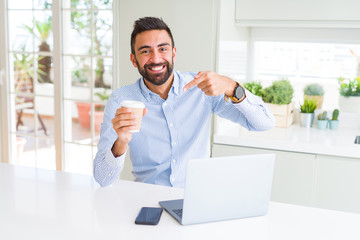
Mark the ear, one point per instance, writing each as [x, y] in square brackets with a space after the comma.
[133, 60]
[174, 54]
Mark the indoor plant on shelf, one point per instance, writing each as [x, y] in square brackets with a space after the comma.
[315, 91]
[322, 121]
[307, 113]
[254, 87]
[349, 100]
[334, 122]
[278, 98]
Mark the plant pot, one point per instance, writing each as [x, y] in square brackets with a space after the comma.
[334, 124]
[84, 111]
[98, 120]
[283, 113]
[349, 104]
[306, 119]
[84, 114]
[319, 100]
[322, 124]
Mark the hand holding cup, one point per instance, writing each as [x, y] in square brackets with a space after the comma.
[127, 120]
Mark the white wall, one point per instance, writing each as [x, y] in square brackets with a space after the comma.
[193, 25]
[194, 28]
[228, 31]
[344, 13]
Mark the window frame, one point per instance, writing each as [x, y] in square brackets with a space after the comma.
[290, 33]
[58, 94]
[4, 97]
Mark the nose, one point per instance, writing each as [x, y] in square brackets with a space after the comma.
[155, 57]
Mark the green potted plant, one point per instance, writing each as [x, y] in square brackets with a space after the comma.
[334, 122]
[24, 85]
[307, 113]
[24, 73]
[349, 89]
[315, 91]
[280, 92]
[254, 87]
[42, 32]
[84, 109]
[278, 98]
[322, 121]
[80, 21]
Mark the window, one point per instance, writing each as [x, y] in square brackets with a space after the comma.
[87, 77]
[30, 54]
[302, 55]
[304, 63]
[232, 59]
[52, 58]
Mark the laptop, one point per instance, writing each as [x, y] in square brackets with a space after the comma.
[224, 188]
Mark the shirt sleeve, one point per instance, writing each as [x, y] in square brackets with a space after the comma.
[251, 113]
[107, 168]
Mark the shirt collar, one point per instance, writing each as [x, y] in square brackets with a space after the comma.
[176, 84]
[175, 87]
[144, 90]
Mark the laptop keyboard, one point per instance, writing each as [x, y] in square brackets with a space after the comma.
[178, 212]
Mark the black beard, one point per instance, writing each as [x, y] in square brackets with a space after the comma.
[156, 79]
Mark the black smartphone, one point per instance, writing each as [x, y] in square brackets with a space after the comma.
[149, 216]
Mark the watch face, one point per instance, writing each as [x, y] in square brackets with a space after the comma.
[239, 92]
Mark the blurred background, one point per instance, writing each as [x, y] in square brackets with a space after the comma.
[60, 61]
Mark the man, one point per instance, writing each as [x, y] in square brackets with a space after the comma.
[177, 117]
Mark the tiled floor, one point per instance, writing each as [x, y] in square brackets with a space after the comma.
[40, 151]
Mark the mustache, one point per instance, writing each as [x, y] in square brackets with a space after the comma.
[155, 64]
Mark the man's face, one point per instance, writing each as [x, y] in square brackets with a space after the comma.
[154, 56]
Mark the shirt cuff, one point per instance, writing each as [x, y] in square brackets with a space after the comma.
[249, 101]
[114, 162]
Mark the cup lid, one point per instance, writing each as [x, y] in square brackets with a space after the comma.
[132, 104]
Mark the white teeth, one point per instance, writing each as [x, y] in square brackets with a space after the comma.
[157, 68]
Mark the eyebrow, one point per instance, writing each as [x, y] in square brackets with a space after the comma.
[160, 45]
[163, 44]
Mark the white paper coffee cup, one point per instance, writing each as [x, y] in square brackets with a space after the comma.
[137, 108]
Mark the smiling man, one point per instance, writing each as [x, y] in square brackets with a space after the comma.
[177, 117]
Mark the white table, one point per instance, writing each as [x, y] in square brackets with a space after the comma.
[43, 204]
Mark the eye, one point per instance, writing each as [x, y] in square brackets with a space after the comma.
[144, 51]
[163, 49]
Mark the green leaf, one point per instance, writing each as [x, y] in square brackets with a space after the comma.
[349, 87]
[280, 92]
[309, 106]
[254, 87]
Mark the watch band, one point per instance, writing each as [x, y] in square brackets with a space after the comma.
[233, 98]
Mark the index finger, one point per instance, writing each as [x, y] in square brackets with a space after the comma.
[122, 110]
[197, 79]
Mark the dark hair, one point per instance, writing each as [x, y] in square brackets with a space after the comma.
[146, 24]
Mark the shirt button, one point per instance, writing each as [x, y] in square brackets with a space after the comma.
[148, 98]
[174, 160]
[171, 124]
[173, 179]
[164, 104]
[173, 143]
